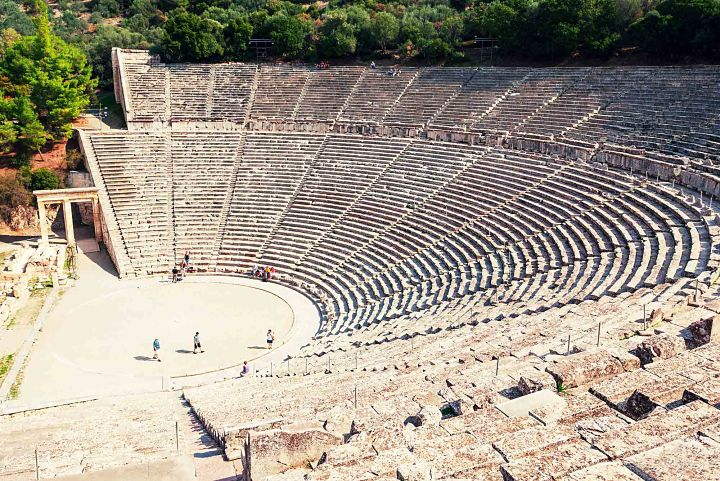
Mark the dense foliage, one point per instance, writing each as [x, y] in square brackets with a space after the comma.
[44, 84]
[213, 30]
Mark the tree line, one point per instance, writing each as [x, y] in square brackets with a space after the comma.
[219, 30]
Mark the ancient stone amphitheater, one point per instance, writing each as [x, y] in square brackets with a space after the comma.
[514, 268]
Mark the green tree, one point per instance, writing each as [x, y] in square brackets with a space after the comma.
[680, 27]
[8, 131]
[8, 37]
[49, 81]
[11, 16]
[359, 18]
[600, 25]
[44, 179]
[190, 38]
[99, 47]
[237, 34]
[385, 29]
[288, 33]
[108, 8]
[337, 35]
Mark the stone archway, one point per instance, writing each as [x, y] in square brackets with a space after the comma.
[66, 197]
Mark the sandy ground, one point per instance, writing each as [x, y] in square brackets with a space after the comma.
[98, 338]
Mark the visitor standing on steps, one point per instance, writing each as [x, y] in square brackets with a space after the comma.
[196, 343]
[270, 338]
[156, 349]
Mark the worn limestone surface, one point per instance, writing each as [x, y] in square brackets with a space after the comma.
[656, 430]
[584, 368]
[700, 460]
[275, 451]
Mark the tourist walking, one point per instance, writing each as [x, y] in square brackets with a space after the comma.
[196, 343]
[270, 338]
[156, 349]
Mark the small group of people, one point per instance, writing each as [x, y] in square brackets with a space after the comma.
[178, 272]
[265, 273]
[322, 65]
[196, 346]
[394, 72]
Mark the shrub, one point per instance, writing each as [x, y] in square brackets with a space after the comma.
[44, 179]
[12, 195]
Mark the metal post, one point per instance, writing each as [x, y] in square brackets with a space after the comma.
[644, 317]
[598, 338]
[497, 366]
[271, 368]
[568, 345]
[288, 361]
[177, 439]
[37, 465]
[306, 365]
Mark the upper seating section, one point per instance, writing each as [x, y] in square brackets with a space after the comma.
[668, 110]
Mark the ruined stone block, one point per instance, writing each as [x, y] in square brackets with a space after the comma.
[349, 454]
[708, 391]
[661, 346]
[610, 471]
[584, 368]
[518, 444]
[455, 453]
[387, 462]
[688, 459]
[639, 405]
[486, 425]
[657, 429]
[417, 471]
[705, 331]
[527, 385]
[274, 451]
[427, 416]
[553, 463]
[573, 407]
[592, 427]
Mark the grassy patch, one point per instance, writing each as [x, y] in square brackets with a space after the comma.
[6, 363]
[15, 388]
[561, 389]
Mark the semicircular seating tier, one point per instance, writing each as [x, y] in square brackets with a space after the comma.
[375, 228]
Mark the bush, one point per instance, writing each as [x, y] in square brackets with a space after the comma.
[44, 179]
[12, 195]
